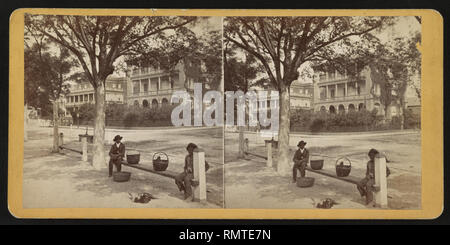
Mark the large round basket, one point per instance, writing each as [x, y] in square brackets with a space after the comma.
[316, 164]
[160, 161]
[343, 167]
[304, 182]
[133, 157]
[121, 176]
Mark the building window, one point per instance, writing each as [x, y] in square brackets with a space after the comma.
[145, 84]
[323, 93]
[136, 87]
[81, 98]
[91, 97]
[165, 82]
[154, 84]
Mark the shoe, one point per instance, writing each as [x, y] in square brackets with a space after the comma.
[189, 198]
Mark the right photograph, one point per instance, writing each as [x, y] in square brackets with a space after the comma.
[322, 112]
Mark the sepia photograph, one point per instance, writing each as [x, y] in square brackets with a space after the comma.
[225, 114]
[347, 93]
[101, 93]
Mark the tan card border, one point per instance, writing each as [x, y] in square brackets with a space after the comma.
[432, 125]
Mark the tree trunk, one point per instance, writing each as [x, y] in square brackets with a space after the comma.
[99, 160]
[401, 109]
[55, 127]
[25, 123]
[283, 166]
[241, 142]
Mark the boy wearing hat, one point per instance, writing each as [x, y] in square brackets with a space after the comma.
[366, 185]
[116, 154]
[301, 159]
[184, 179]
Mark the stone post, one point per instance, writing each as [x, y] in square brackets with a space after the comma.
[380, 197]
[84, 156]
[199, 175]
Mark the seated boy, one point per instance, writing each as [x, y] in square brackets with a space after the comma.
[184, 179]
[366, 185]
[116, 154]
[301, 159]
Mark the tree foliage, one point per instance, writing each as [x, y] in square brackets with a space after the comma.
[45, 75]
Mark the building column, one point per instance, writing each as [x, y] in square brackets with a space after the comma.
[159, 84]
[335, 90]
[327, 92]
[345, 91]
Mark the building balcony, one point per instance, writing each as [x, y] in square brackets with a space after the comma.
[79, 103]
[155, 93]
[360, 97]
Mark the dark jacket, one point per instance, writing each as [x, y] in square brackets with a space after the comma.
[189, 164]
[301, 157]
[116, 154]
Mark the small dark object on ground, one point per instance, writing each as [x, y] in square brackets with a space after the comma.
[305, 182]
[121, 176]
[326, 204]
[142, 197]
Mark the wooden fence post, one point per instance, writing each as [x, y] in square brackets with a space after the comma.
[380, 181]
[84, 156]
[199, 175]
[269, 153]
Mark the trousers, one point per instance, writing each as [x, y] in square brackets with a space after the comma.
[183, 181]
[117, 164]
[365, 188]
[300, 166]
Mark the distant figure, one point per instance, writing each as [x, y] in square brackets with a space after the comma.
[301, 159]
[366, 185]
[184, 179]
[116, 154]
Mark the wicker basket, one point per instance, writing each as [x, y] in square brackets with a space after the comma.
[160, 161]
[133, 157]
[316, 164]
[343, 167]
[121, 176]
[304, 182]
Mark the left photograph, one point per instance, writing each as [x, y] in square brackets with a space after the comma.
[111, 112]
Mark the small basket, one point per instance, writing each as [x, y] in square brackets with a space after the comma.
[121, 176]
[343, 167]
[316, 164]
[304, 182]
[133, 157]
[160, 161]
